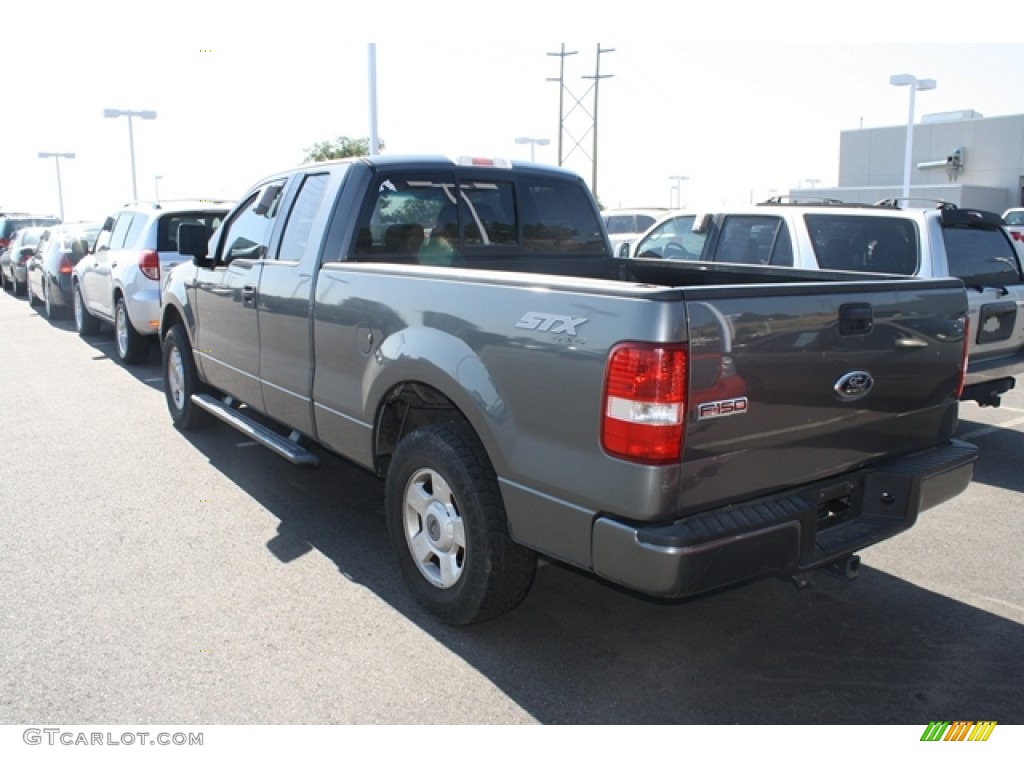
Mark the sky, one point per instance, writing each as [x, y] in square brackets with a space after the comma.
[744, 99]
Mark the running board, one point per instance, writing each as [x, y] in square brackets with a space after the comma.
[282, 446]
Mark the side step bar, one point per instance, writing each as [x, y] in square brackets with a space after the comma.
[282, 446]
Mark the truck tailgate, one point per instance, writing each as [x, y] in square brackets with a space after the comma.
[788, 387]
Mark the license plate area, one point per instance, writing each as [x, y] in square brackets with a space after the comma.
[996, 321]
[835, 505]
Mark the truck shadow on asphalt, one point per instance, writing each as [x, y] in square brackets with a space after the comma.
[1000, 451]
[580, 651]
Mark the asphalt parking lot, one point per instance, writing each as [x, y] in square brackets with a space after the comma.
[151, 576]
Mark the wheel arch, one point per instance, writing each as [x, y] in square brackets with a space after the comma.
[426, 376]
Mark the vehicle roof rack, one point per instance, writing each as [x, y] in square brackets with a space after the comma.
[894, 202]
[802, 200]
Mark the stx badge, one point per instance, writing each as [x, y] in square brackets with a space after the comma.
[539, 321]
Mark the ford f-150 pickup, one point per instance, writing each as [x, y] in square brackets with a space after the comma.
[461, 329]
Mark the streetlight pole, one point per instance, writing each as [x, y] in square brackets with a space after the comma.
[372, 77]
[533, 144]
[677, 188]
[915, 84]
[145, 114]
[57, 156]
[156, 186]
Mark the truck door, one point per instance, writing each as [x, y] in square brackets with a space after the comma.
[227, 334]
[284, 304]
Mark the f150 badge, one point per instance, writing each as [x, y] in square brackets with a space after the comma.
[716, 409]
[540, 321]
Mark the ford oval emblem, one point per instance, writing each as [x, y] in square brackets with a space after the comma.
[853, 385]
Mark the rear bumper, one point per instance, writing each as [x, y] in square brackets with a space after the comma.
[782, 534]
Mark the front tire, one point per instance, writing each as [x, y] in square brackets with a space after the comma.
[181, 381]
[448, 527]
[132, 346]
[85, 323]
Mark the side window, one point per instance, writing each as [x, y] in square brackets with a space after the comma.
[643, 222]
[300, 220]
[864, 243]
[980, 256]
[247, 234]
[167, 226]
[119, 237]
[752, 240]
[782, 249]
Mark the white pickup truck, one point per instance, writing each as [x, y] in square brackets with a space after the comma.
[941, 241]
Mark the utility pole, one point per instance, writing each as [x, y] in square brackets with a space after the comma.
[597, 82]
[592, 116]
[561, 94]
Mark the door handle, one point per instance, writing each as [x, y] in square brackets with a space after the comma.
[248, 295]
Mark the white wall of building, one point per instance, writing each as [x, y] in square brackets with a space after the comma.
[992, 176]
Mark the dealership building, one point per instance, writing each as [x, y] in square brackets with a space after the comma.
[958, 157]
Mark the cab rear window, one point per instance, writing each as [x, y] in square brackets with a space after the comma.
[438, 219]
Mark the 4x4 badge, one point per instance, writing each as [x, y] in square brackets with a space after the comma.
[853, 385]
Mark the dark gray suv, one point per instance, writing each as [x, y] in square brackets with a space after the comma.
[9, 224]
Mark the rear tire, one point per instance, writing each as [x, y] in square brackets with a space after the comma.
[85, 323]
[448, 527]
[53, 311]
[132, 346]
[181, 381]
[32, 300]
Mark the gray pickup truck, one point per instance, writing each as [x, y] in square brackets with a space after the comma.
[461, 329]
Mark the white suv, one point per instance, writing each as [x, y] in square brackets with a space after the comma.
[944, 241]
[625, 225]
[118, 282]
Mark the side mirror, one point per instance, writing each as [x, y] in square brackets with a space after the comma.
[624, 251]
[193, 241]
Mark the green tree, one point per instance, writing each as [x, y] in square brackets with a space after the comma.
[341, 147]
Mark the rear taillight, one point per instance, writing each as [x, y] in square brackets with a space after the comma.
[963, 358]
[65, 265]
[4, 242]
[645, 402]
[149, 264]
